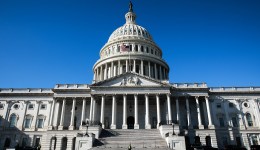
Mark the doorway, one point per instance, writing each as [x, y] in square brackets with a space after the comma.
[130, 122]
[37, 142]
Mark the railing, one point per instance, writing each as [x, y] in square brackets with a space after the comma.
[71, 86]
[25, 90]
[190, 85]
[234, 89]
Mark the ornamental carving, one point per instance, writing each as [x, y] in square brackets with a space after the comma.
[130, 81]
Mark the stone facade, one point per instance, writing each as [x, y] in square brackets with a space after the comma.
[130, 90]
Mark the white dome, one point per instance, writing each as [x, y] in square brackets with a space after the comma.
[130, 29]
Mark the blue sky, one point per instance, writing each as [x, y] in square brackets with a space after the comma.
[46, 42]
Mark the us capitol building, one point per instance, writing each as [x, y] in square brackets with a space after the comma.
[130, 103]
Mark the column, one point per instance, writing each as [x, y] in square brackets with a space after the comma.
[169, 109]
[98, 75]
[142, 67]
[164, 74]
[119, 68]
[91, 109]
[51, 114]
[177, 111]
[102, 111]
[112, 69]
[124, 126]
[113, 124]
[147, 113]
[134, 67]
[257, 113]
[149, 69]
[126, 65]
[158, 110]
[9, 104]
[198, 112]
[211, 126]
[83, 118]
[228, 121]
[25, 112]
[94, 77]
[94, 110]
[56, 115]
[36, 117]
[115, 70]
[188, 113]
[105, 73]
[155, 71]
[62, 114]
[240, 115]
[160, 72]
[71, 127]
[136, 125]
[101, 73]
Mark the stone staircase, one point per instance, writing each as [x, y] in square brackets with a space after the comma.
[141, 139]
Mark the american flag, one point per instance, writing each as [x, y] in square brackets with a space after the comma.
[124, 48]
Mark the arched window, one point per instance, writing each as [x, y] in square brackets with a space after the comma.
[53, 143]
[197, 140]
[249, 120]
[208, 141]
[13, 120]
[73, 143]
[64, 143]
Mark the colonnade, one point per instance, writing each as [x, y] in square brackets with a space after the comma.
[158, 98]
[143, 67]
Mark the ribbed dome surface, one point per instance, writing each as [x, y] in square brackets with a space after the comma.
[130, 29]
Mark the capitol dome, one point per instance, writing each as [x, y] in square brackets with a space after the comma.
[130, 48]
[130, 30]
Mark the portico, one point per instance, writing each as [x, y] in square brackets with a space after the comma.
[114, 105]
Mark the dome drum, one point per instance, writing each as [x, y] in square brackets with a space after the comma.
[144, 67]
[134, 47]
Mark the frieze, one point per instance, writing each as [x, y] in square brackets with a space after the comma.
[130, 81]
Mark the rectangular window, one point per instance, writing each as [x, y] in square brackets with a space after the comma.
[130, 47]
[43, 106]
[27, 123]
[118, 48]
[13, 120]
[151, 51]
[147, 50]
[221, 122]
[40, 123]
[142, 49]
[31, 106]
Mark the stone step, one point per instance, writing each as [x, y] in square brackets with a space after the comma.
[124, 148]
[139, 139]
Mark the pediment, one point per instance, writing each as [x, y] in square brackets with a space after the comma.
[129, 79]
